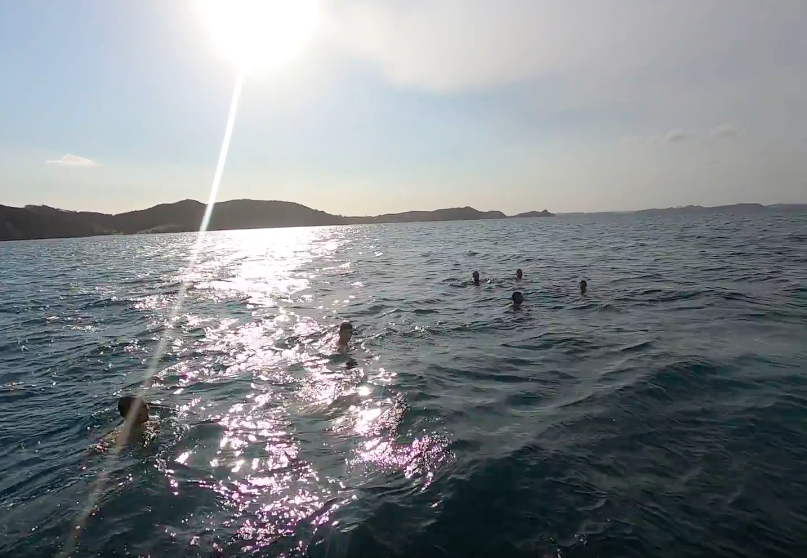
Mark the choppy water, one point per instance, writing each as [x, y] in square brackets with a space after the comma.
[663, 414]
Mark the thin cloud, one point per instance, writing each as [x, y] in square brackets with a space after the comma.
[73, 161]
[676, 136]
[726, 131]
[449, 46]
[664, 61]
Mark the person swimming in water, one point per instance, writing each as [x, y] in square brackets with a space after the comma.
[136, 425]
[583, 287]
[345, 334]
[519, 275]
[134, 410]
[475, 275]
[518, 300]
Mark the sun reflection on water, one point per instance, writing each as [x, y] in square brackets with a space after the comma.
[280, 426]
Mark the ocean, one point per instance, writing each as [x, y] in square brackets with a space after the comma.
[663, 414]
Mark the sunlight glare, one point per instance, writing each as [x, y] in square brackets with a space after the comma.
[260, 33]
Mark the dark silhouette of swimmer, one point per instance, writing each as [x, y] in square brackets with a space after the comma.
[583, 287]
[519, 275]
[134, 410]
[518, 300]
[137, 428]
[476, 277]
[345, 334]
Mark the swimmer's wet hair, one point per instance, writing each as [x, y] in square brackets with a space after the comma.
[125, 403]
[345, 325]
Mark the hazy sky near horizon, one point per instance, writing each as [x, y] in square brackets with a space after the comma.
[397, 105]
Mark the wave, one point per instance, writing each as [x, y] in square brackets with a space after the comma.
[658, 407]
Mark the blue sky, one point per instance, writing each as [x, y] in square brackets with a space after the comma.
[411, 104]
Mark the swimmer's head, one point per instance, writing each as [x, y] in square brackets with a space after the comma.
[519, 274]
[135, 405]
[475, 275]
[345, 332]
[583, 286]
[518, 298]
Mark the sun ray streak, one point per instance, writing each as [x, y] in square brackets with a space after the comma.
[101, 480]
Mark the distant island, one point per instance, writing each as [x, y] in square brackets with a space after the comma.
[41, 222]
[736, 208]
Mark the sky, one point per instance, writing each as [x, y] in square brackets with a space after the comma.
[397, 105]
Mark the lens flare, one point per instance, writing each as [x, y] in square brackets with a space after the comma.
[102, 478]
[251, 33]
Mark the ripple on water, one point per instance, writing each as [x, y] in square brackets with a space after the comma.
[663, 414]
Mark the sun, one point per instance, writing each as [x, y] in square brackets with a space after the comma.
[260, 33]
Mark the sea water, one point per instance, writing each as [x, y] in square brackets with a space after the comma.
[663, 414]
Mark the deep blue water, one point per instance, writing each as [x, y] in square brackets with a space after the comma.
[663, 414]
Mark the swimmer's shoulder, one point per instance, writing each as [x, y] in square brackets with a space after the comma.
[142, 435]
[106, 442]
